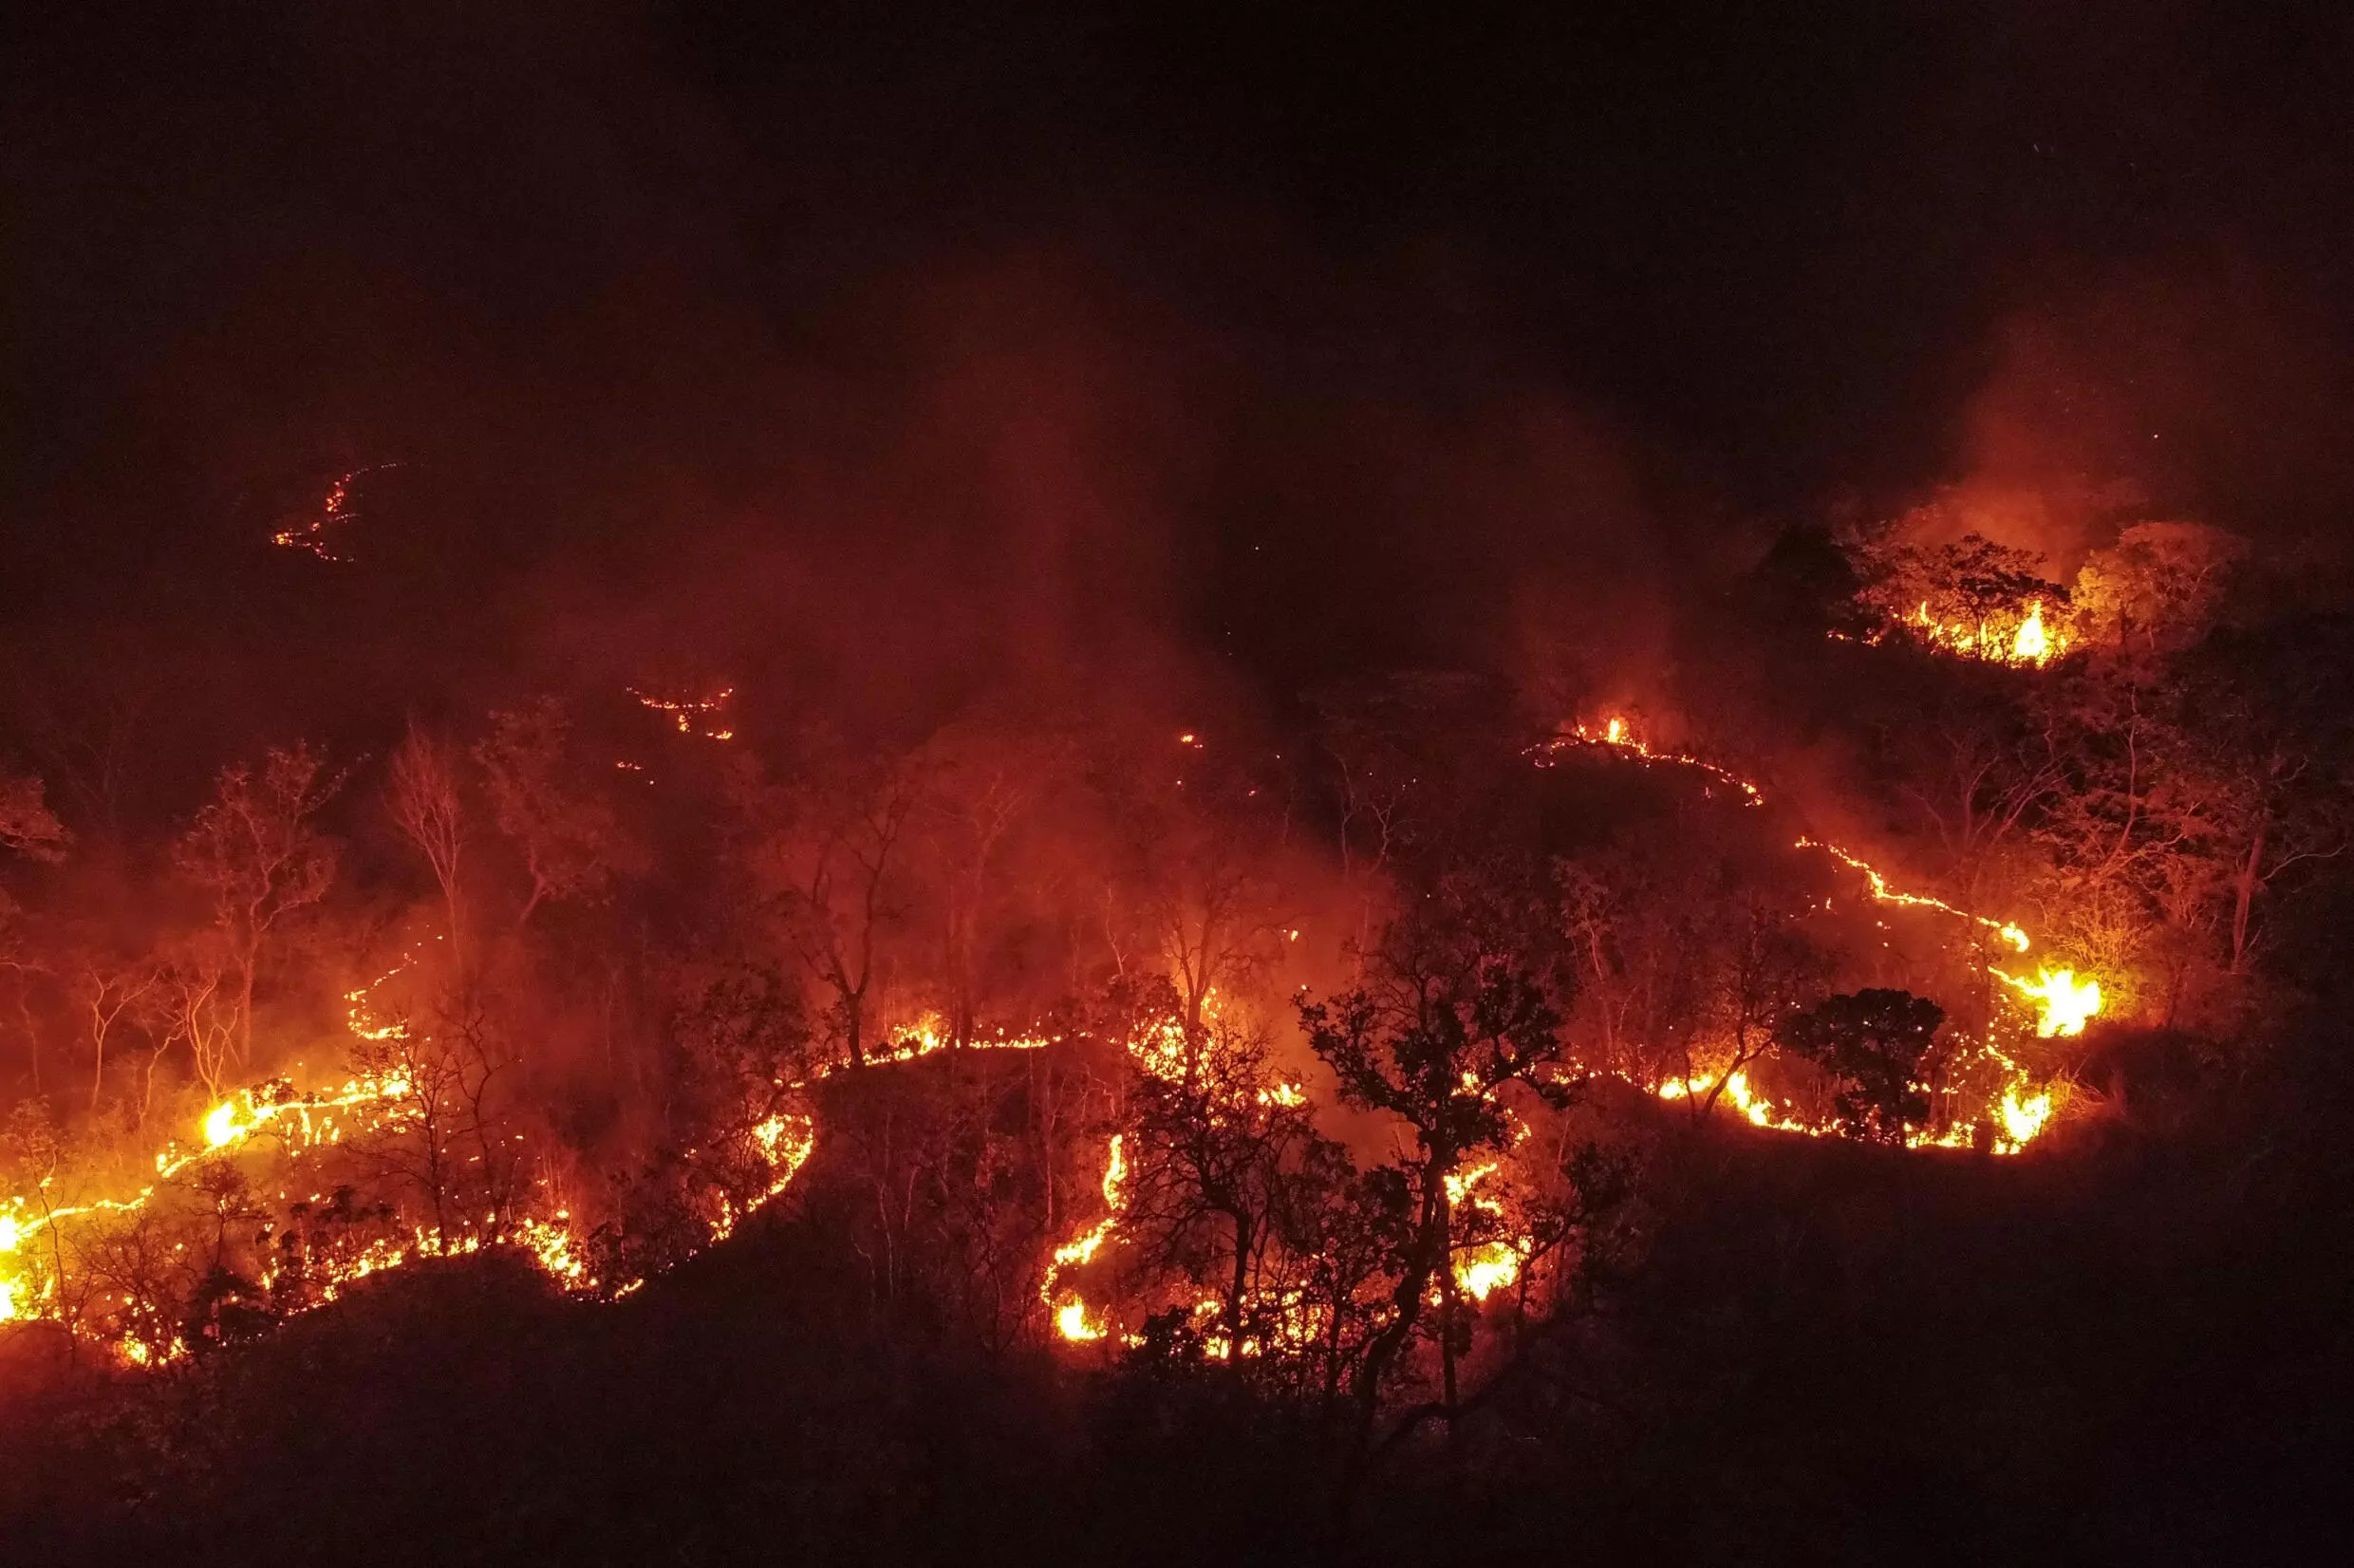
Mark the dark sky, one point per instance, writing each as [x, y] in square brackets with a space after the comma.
[607, 275]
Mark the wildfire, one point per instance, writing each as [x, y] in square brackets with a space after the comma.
[1882, 892]
[1489, 1266]
[1071, 1315]
[2064, 1004]
[1165, 1049]
[692, 715]
[1737, 1093]
[1620, 736]
[786, 1141]
[302, 1124]
[299, 1123]
[334, 510]
[2026, 642]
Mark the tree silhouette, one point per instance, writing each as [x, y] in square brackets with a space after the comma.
[1452, 1012]
[1874, 1042]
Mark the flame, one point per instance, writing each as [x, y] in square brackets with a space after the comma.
[1490, 1266]
[692, 715]
[2063, 1003]
[1884, 893]
[1737, 1093]
[1164, 1049]
[300, 1123]
[2024, 1117]
[221, 1126]
[2029, 643]
[311, 535]
[1071, 1315]
[1618, 735]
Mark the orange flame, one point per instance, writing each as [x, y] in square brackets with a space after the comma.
[1071, 1315]
[2063, 1003]
[2030, 643]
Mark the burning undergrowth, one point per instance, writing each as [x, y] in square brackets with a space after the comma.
[1334, 1052]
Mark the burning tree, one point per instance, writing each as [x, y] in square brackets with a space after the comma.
[1972, 597]
[1219, 1149]
[1453, 1011]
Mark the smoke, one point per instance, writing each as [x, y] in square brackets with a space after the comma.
[971, 482]
[2204, 388]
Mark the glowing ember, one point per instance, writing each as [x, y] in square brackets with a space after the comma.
[692, 715]
[334, 510]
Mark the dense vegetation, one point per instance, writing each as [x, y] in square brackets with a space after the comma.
[1381, 1042]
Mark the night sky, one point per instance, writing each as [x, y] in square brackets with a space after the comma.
[1254, 322]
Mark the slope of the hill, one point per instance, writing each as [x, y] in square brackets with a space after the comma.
[2131, 1346]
